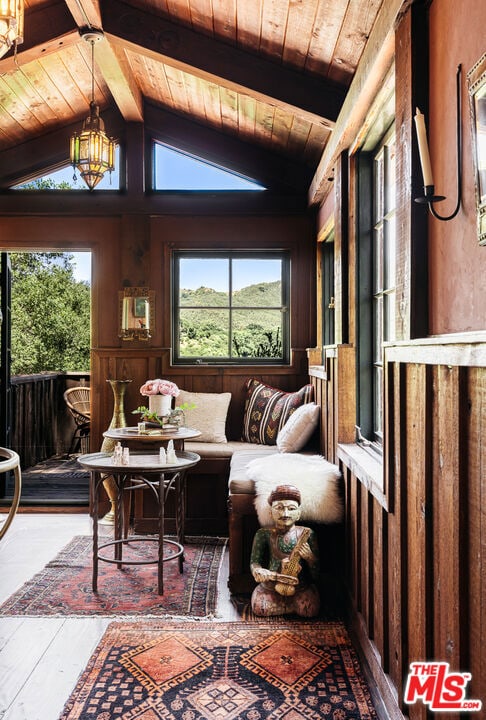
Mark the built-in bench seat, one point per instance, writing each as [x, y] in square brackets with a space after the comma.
[220, 496]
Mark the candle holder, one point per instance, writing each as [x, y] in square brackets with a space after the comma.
[429, 196]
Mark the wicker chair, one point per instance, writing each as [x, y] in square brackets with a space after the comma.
[78, 401]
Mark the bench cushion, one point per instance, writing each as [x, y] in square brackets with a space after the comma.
[238, 479]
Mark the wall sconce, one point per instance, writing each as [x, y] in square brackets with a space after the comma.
[137, 317]
[429, 189]
[11, 24]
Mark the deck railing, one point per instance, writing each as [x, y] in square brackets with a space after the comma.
[42, 426]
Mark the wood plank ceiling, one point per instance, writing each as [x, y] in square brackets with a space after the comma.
[269, 73]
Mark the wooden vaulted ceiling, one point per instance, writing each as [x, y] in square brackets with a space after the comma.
[267, 76]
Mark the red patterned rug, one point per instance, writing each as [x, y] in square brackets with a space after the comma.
[63, 587]
[151, 670]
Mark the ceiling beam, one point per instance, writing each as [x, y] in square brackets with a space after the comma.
[112, 64]
[86, 13]
[372, 69]
[313, 98]
[121, 83]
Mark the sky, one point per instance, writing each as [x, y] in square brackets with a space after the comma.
[82, 266]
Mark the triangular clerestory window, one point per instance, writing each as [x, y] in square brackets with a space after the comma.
[176, 170]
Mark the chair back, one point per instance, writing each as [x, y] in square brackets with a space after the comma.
[78, 401]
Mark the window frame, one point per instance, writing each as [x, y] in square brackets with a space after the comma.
[282, 255]
[369, 431]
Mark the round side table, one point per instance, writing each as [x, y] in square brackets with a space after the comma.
[143, 471]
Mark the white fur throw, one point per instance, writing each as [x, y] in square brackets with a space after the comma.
[316, 478]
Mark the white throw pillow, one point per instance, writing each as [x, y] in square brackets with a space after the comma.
[317, 479]
[208, 415]
[298, 428]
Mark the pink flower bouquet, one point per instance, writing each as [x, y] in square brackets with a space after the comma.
[159, 387]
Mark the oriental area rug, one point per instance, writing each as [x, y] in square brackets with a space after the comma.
[154, 670]
[63, 587]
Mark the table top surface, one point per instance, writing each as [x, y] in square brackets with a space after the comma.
[151, 434]
[138, 461]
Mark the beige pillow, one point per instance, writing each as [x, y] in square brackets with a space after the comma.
[208, 416]
[298, 428]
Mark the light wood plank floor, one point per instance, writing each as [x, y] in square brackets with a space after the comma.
[42, 658]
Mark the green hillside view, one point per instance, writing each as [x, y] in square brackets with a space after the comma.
[209, 329]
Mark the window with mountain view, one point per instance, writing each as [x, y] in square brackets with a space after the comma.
[231, 307]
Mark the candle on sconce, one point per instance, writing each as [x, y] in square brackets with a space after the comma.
[147, 314]
[423, 148]
[125, 306]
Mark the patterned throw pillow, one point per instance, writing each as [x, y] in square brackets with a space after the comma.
[267, 409]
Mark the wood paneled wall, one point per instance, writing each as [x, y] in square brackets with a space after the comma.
[416, 552]
[138, 365]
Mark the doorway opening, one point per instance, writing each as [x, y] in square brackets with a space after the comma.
[45, 350]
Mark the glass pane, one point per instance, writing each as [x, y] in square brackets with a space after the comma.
[257, 283]
[390, 260]
[63, 179]
[390, 178]
[378, 400]
[176, 170]
[204, 282]
[204, 333]
[379, 207]
[378, 327]
[257, 333]
[378, 260]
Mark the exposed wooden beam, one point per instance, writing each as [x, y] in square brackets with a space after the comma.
[268, 168]
[374, 64]
[86, 13]
[120, 80]
[102, 203]
[48, 29]
[313, 98]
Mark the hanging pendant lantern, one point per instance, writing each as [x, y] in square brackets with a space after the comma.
[92, 151]
[11, 24]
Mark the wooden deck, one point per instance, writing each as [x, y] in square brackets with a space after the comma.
[56, 482]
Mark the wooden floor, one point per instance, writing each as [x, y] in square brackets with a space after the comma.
[41, 658]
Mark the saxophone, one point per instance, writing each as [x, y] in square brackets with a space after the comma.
[292, 567]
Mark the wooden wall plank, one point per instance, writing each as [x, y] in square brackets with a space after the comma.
[418, 503]
[473, 454]
[446, 515]
[379, 574]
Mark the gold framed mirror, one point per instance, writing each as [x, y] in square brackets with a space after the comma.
[136, 313]
[476, 81]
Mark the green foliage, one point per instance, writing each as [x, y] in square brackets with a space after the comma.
[255, 329]
[46, 183]
[50, 315]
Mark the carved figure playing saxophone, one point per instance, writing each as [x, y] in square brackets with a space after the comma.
[285, 561]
